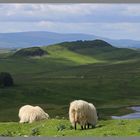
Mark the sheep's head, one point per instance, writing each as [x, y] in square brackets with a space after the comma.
[47, 116]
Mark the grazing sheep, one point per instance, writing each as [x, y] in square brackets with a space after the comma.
[83, 113]
[78, 113]
[92, 117]
[30, 114]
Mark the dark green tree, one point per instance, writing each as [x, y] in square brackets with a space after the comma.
[6, 79]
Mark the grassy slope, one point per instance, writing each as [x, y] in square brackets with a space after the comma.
[60, 127]
[55, 80]
[100, 50]
[57, 51]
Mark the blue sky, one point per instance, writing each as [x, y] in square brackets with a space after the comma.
[117, 21]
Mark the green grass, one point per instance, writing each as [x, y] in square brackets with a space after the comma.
[54, 80]
[107, 77]
[62, 127]
[62, 52]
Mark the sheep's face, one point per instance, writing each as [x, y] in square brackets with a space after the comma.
[47, 116]
[79, 115]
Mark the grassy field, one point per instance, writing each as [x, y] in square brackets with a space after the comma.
[107, 77]
[62, 127]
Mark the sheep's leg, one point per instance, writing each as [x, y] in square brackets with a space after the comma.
[75, 125]
[82, 127]
[93, 126]
[85, 126]
[88, 125]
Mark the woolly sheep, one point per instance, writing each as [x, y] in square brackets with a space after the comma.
[77, 113]
[83, 113]
[92, 117]
[30, 114]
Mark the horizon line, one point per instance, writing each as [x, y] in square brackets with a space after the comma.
[74, 33]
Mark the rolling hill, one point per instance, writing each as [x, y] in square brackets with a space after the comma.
[30, 52]
[96, 49]
[91, 70]
[41, 38]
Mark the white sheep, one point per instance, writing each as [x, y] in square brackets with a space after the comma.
[92, 117]
[83, 113]
[30, 114]
[77, 113]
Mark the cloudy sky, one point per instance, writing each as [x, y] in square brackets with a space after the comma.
[119, 21]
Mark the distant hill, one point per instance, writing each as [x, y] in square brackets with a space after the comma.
[75, 45]
[43, 38]
[97, 49]
[33, 51]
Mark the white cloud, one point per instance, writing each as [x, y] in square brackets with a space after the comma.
[108, 20]
[132, 10]
[110, 30]
[45, 9]
[70, 12]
